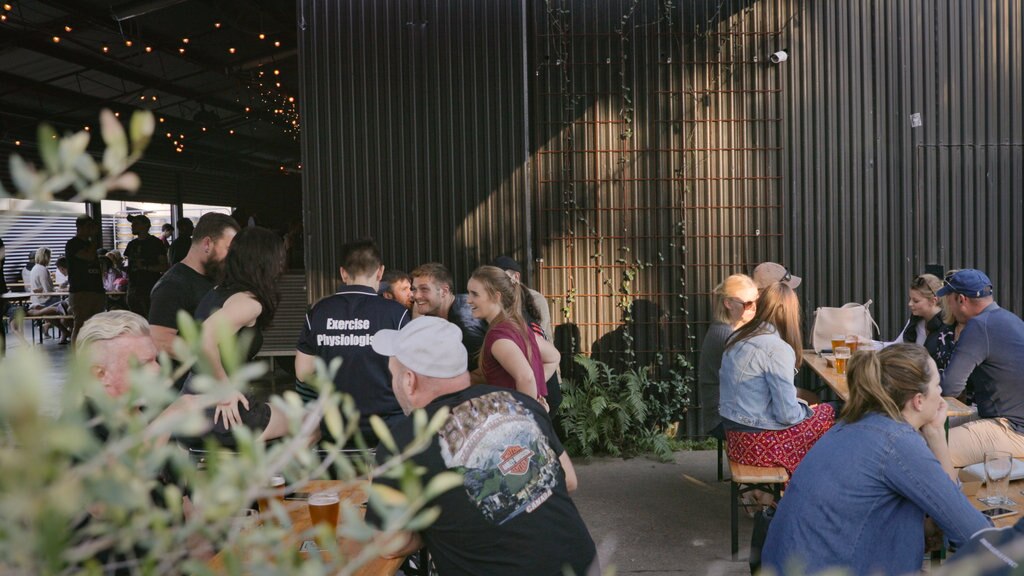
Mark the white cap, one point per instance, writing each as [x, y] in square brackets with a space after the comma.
[428, 345]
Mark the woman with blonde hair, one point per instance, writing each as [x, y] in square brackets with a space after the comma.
[512, 356]
[927, 323]
[859, 500]
[766, 423]
[734, 302]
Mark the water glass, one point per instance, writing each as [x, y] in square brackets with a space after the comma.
[998, 466]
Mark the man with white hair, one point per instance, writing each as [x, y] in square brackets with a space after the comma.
[513, 514]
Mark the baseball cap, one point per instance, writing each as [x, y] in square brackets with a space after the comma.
[507, 263]
[969, 282]
[428, 345]
[133, 218]
[768, 273]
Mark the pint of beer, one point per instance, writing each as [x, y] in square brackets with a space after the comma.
[324, 508]
[852, 342]
[842, 354]
[838, 340]
[277, 484]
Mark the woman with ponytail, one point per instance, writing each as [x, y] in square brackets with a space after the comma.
[513, 356]
[859, 499]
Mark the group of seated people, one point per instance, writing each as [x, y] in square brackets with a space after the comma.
[864, 474]
[475, 353]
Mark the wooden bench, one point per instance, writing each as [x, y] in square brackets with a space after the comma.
[39, 320]
[745, 479]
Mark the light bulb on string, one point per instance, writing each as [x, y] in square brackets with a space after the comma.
[149, 49]
[67, 28]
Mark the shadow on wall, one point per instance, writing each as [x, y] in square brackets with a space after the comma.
[637, 341]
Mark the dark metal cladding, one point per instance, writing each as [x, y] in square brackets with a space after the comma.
[413, 132]
[643, 150]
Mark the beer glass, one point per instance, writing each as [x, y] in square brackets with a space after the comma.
[277, 484]
[852, 342]
[324, 508]
[837, 341]
[998, 466]
[842, 354]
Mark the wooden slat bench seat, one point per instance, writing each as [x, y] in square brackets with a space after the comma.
[746, 478]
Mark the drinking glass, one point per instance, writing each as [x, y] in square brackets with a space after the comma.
[837, 341]
[852, 342]
[842, 355]
[998, 466]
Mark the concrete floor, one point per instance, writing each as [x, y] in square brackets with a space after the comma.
[658, 519]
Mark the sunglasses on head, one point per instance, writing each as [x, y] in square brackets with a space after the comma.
[787, 276]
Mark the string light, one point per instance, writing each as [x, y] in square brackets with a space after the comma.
[161, 119]
[181, 50]
[277, 72]
[8, 7]
[117, 114]
[263, 36]
[232, 131]
[105, 48]
[87, 128]
[277, 43]
[67, 28]
[56, 39]
[216, 25]
[184, 40]
[3, 17]
[17, 142]
[128, 43]
[149, 49]
[231, 50]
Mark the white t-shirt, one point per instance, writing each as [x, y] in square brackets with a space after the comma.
[39, 279]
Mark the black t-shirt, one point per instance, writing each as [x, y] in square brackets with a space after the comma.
[83, 275]
[181, 288]
[473, 329]
[144, 252]
[179, 249]
[513, 514]
[342, 326]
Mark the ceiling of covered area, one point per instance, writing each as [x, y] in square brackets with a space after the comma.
[220, 75]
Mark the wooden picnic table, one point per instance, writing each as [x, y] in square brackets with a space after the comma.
[298, 512]
[819, 364]
[1014, 493]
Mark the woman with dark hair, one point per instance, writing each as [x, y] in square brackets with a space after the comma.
[766, 423]
[859, 500]
[513, 356]
[244, 304]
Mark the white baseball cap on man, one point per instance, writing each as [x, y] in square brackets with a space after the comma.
[428, 345]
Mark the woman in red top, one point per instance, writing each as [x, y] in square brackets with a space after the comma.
[513, 355]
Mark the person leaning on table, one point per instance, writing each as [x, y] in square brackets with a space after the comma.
[990, 352]
[859, 499]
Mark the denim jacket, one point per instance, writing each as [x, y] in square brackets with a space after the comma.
[756, 382]
[858, 502]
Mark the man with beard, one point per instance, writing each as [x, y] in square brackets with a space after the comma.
[185, 283]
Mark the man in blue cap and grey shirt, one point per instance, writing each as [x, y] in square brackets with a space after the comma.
[990, 351]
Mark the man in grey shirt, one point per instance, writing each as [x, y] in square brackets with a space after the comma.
[989, 352]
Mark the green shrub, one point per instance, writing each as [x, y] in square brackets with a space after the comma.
[604, 413]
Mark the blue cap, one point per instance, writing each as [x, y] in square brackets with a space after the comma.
[969, 282]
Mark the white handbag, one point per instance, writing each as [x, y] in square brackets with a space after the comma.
[852, 318]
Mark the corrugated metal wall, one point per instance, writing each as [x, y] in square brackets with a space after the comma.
[665, 152]
[874, 199]
[413, 132]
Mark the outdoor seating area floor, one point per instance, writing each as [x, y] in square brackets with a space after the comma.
[656, 519]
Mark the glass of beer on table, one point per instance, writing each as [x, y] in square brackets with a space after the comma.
[837, 341]
[324, 508]
[842, 354]
[277, 485]
[852, 342]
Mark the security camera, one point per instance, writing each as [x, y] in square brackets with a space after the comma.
[779, 57]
